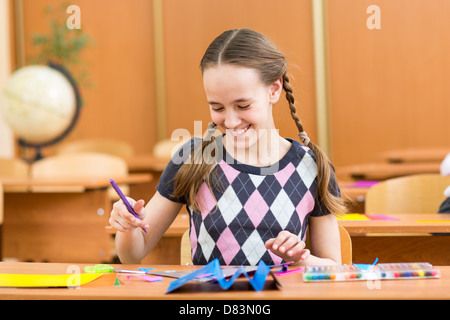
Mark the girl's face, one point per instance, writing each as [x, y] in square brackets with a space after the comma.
[240, 104]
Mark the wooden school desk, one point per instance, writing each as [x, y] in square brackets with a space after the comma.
[407, 239]
[66, 222]
[415, 155]
[402, 239]
[292, 287]
[383, 170]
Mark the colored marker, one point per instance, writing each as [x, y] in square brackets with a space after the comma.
[124, 200]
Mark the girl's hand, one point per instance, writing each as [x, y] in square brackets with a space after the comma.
[288, 246]
[122, 220]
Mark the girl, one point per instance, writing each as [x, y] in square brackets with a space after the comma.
[251, 194]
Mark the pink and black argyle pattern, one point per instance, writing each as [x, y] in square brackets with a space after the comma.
[250, 206]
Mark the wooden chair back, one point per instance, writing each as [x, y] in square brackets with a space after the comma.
[86, 165]
[421, 193]
[109, 146]
[164, 149]
[346, 247]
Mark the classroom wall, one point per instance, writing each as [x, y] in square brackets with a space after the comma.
[387, 87]
[189, 27]
[122, 103]
[119, 102]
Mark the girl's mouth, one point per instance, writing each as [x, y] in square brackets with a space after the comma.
[238, 132]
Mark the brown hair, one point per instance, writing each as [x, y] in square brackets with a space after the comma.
[250, 49]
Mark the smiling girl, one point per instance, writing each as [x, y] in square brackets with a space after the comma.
[251, 193]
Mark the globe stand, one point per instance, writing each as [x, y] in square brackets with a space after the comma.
[38, 146]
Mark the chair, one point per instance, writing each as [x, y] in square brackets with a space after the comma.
[109, 146]
[185, 258]
[89, 165]
[164, 149]
[421, 193]
[346, 247]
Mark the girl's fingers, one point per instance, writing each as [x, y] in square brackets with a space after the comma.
[123, 220]
[138, 206]
[288, 246]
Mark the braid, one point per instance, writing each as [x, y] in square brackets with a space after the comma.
[325, 170]
[290, 98]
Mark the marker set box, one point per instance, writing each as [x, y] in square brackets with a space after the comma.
[381, 271]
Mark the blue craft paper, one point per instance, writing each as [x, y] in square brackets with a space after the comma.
[366, 266]
[213, 268]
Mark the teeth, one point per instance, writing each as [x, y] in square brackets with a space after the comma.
[239, 131]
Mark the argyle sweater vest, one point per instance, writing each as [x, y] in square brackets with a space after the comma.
[250, 205]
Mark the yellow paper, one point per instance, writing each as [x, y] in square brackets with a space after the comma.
[353, 217]
[46, 281]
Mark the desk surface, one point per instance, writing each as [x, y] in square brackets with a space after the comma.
[415, 155]
[406, 223]
[383, 171]
[292, 287]
[26, 184]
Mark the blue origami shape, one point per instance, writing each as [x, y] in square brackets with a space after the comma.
[213, 270]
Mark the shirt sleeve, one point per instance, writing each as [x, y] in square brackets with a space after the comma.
[166, 184]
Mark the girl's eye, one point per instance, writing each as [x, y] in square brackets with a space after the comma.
[244, 107]
[217, 108]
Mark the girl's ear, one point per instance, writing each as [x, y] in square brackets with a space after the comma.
[275, 90]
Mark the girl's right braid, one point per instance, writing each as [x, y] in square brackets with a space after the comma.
[290, 98]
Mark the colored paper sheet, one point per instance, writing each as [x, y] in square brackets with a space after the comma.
[227, 272]
[353, 217]
[105, 280]
[381, 217]
[46, 281]
[364, 184]
[146, 278]
[433, 221]
[213, 269]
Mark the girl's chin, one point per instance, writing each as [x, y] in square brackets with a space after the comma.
[241, 142]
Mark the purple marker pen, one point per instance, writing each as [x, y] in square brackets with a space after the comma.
[124, 200]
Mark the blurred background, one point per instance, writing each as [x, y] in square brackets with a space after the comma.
[369, 76]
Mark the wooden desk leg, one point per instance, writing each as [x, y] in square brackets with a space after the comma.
[57, 227]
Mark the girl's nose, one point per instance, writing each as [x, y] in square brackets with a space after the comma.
[232, 120]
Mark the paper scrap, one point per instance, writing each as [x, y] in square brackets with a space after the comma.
[147, 278]
[381, 217]
[364, 184]
[257, 282]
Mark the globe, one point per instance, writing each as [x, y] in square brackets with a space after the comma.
[40, 104]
